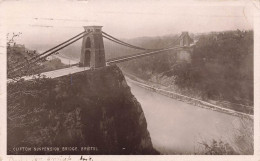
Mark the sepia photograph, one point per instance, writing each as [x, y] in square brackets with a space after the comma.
[149, 77]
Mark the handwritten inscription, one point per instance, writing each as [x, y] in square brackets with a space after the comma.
[86, 158]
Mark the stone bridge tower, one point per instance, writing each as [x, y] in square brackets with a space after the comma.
[184, 53]
[185, 40]
[92, 49]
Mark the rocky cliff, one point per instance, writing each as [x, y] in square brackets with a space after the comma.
[91, 112]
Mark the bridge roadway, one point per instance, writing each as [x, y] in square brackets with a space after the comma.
[135, 56]
[57, 73]
[75, 69]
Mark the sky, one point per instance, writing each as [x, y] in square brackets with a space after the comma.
[56, 20]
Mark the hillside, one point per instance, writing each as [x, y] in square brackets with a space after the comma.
[19, 56]
[221, 69]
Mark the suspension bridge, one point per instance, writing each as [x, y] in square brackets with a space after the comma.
[93, 52]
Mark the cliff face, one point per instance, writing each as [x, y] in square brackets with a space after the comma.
[90, 112]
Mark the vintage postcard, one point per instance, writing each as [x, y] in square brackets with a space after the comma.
[129, 80]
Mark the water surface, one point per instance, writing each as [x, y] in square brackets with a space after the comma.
[178, 127]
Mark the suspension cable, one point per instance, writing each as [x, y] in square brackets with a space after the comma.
[122, 43]
[173, 43]
[126, 43]
[41, 58]
[34, 57]
[136, 47]
[130, 57]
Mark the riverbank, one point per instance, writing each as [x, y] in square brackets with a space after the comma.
[193, 101]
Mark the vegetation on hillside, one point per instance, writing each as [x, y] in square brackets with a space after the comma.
[242, 143]
[221, 68]
[19, 57]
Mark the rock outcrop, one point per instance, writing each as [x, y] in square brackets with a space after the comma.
[91, 112]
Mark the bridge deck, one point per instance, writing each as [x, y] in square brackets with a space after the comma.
[64, 71]
[58, 73]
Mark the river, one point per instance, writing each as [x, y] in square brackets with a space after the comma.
[178, 128]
